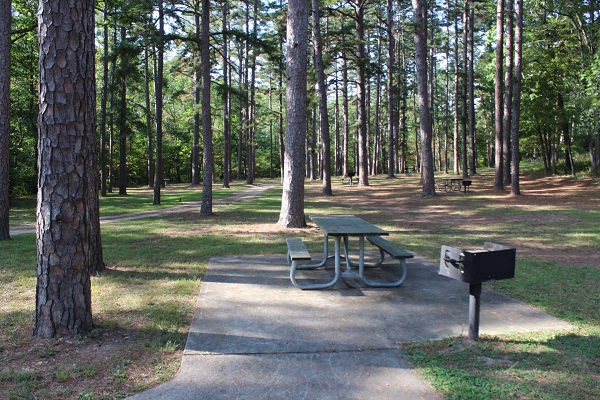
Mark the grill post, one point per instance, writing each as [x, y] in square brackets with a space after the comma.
[493, 262]
[474, 304]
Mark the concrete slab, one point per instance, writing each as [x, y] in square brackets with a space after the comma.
[256, 336]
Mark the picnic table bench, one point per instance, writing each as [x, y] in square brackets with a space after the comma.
[456, 184]
[343, 227]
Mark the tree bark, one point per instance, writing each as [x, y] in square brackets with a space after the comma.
[361, 97]
[420, 9]
[226, 104]
[103, 104]
[207, 177]
[5, 27]
[455, 148]
[392, 115]
[515, 188]
[158, 92]
[123, 119]
[322, 88]
[498, 99]
[197, 101]
[345, 117]
[68, 229]
[463, 93]
[508, 95]
[471, 79]
[149, 130]
[292, 201]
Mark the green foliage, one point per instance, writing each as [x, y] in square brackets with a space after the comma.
[24, 107]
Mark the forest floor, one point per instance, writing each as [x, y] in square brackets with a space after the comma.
[113, 362]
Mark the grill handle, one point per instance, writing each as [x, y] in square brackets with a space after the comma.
[453, 262]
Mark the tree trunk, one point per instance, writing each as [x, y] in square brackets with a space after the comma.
[292, 201]
[498, 100]
[508, 87]
[337, 144]
[345, 116]
[158, 92]
[471, 79]
[463, 93]
[515, 188]
[252, 105]
[5, 27]
[322, 88]
[455, 149]
[103, 105]
[392, 115]
[197, 101]
[208, 172]
[226, 104]
[281, 125]
[68, 229]
[149, 130]
[447, 99]
[123, 120]
[420, 10]
[362, 58]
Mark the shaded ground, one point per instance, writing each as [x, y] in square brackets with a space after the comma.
[536, 223]
[533, 222]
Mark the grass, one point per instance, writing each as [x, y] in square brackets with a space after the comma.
[22, 210]
[143, 303]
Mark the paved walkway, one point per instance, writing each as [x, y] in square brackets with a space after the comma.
[255, 336]
[240, 196]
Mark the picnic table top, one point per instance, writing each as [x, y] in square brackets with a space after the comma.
[346, 225]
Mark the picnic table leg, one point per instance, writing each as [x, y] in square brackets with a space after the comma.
[373, 265]
[361, 269]
[323, 261]
[348, 262]
[325, 285]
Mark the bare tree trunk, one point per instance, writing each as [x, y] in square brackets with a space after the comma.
[252, 119]
[313, 169]
[447, 100]
[363, 166]
[123, 121]
[499, 96]
[515, 188]
[392, 115]
[322, 88]
[226, 104]
[508, 95]
[463, 93]
[103, 106]
[346, 117]
[149, 131]
[281, 126]
[337, 144]
[5, 28]
[292, 200]
[68, 178]
[158, 92]
[207, 177]
[241, 115]
[455, 149]
[197, 100]
[471, 79]
[420, 8]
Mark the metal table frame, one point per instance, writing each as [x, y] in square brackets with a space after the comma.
[343, 227]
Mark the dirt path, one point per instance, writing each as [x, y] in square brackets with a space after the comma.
[243, 195]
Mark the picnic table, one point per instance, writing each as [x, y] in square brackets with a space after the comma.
[453, 184]
[344, 227]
